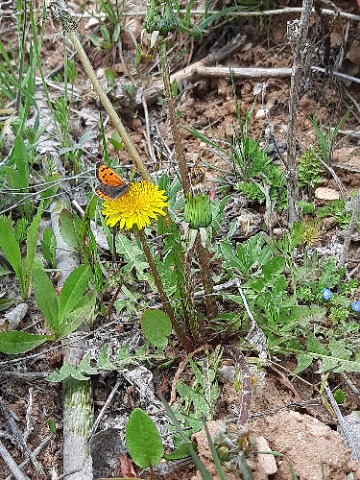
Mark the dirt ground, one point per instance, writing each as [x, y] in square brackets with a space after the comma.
[287, 414]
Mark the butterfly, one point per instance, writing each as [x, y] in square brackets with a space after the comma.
[111, 185]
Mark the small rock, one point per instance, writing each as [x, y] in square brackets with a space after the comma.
[16, 315]
[266, 460]
[328, 194]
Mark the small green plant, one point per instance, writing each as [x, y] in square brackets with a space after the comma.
[335, 209]
[10, 247]
[310, 168]
[63, 314]
[327, 138]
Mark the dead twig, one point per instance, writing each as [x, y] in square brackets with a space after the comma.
[10, 462]
[36, 452]
[351, 228]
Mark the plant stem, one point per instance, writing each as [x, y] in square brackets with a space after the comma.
[60, 13]
[298, 35]
[211, 308]
[180, 158]
[189, 347]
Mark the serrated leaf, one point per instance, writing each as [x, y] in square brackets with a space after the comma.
[46, 298]
[66, 371]
[143, 440]
[73, 290]
[303, 361]
[103, 362]
[84, 366]
[156, 326]
[314, 346]
[14, 342]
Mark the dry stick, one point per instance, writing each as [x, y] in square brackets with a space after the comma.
[60, 12]
[15, 470]
[343, 425]
[36, 452]
[298, 33]
[17, 436]
[255, 13]
[351, 227]
[103, 410]
[179, 151]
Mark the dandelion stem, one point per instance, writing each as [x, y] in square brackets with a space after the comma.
[189, 347]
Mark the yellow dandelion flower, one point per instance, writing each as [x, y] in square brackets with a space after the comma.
[143, 202]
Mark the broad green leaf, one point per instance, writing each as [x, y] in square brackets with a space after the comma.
[156, 326]
[72, 229]
[143, 440]
[31, 243]
[73, 290]
[46, 298]
[273, 267]
[11, 248]
[14, 341]
[70, 322]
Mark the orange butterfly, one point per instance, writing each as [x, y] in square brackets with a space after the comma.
[111, 185]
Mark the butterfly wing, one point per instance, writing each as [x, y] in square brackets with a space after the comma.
[108, 192]
[111, 186]
[107, 176]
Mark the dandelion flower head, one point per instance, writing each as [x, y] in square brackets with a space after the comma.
[142, 203]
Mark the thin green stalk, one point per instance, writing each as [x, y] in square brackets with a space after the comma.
[164, 298]
[180, 158]
[60, 13]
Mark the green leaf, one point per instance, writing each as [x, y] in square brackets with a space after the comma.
[14, 341]
[31, 244]
[66, 371]
[11, 248]
[273, 267]
[156, 326]
[75, 318]
[6, 303]
[48, 247]
[73, 290]
[143, 440]
[72, 229]
[339, 396]
[303, 361]
[46, 298]
[205, 474]
[181, 452]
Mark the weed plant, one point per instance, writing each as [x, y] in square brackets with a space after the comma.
[304, 305]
